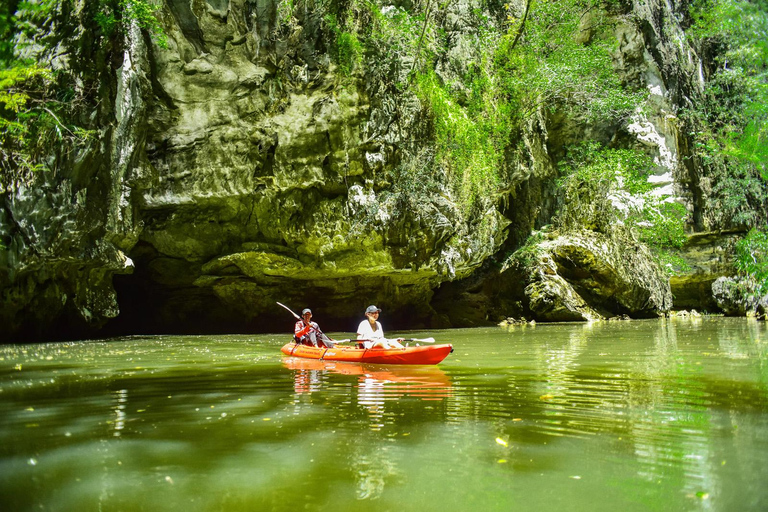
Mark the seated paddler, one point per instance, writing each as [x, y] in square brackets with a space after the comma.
[371, 333]
[308, 332]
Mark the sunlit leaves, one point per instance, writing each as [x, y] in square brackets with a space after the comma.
[141, 12]
[661, 223]
[468, 140]
[590, 162]
[752, 257]
[563, 62]
[732, 113]
[41, 111]
[605, 187]
[21, 127]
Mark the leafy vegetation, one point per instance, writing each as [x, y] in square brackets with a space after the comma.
[41, 110]
[752, 259]
[559, 57]
[347, 47]
[729, 121]
[546, 59]
[29, 123]
[119, 15]
[607, 189]
[469, 144]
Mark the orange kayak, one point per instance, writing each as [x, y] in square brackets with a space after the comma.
[431, 354]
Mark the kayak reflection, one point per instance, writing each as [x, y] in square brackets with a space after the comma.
[376, 383]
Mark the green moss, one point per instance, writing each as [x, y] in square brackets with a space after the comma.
[469, 141]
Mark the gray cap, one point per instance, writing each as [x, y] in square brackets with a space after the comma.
[371, 309]
[305, 311]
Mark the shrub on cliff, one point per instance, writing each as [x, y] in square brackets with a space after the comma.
[729, 119]
[45, 108]
[752, 259]
[606, 190]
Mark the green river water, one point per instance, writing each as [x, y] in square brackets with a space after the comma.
[616, 416]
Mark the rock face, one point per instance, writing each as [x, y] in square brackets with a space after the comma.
[736, 297]
[241, 166]
[709, 258]
[587, 276]
[578, 276]
[269, 177]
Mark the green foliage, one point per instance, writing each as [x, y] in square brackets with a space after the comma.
[528, 255]
[553, 59]
[563, 61]
[752, 258]
[19, 147]
[41, 111]
[31, 126]
[350, 51]
[394, 32]
[118, 16]
[7, 32]
[589, 162]
[469, 140]
[671, 262]
[606, 188]
[661, 223]
[730, 118]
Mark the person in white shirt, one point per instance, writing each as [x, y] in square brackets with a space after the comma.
[371, 331]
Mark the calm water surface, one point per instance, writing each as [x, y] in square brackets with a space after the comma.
[641, 415]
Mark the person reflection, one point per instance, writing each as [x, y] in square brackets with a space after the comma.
[379, 388]
[306, 381]
[375, 384]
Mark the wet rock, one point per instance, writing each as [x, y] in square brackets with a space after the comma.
[707, 256]
[738, 296]
[588, 276]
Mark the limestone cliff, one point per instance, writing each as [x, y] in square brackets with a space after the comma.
[243, 165]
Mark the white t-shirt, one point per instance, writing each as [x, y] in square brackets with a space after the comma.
[365, 332]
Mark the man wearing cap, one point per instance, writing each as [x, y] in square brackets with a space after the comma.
[307, 332]
[371, 331]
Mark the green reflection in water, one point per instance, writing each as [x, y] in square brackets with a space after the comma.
[648, 415]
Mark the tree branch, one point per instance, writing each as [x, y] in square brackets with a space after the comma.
[522, 24]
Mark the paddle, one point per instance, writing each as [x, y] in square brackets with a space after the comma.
[289, 310]
[422, 340]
